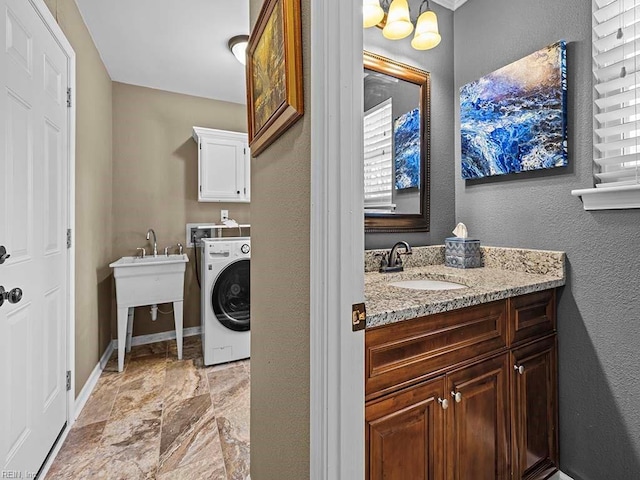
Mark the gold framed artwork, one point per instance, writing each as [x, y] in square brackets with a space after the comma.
[274, 73]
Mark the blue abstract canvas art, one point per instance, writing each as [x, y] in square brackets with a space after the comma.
[515, 119]
[406, 138]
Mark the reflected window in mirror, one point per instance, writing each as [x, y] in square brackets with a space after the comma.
[378, 159]
[396, 146]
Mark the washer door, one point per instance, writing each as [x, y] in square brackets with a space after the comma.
[230, 297]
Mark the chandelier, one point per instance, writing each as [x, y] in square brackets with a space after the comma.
[394, 18]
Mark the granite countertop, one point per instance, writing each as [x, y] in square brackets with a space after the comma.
[507, 273]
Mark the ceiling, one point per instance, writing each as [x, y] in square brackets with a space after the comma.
[178, 46]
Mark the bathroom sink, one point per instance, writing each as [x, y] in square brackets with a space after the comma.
[427, 285]
[149, 280]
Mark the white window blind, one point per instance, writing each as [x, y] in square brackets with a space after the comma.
[616, 48]
[378, 158]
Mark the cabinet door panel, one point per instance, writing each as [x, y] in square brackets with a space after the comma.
[221, 163]
[477, 426]
[404, 434]
[534, 437]
[532, 315]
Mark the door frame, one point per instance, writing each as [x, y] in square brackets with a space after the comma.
[53, 27]
[336, 242]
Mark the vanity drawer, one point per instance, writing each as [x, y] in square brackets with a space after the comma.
[532, 315]
[406, 352]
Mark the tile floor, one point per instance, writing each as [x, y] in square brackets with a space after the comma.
[162, 418]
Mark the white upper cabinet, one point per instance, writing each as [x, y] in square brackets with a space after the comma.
[223, 165]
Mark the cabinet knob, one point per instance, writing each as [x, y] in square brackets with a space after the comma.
[444, 403]
[457, 396]
[519, 369]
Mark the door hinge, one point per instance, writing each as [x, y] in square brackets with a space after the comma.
[245, 151]
[68, 380]
[358, 316]
[68, 238]
[69, 97]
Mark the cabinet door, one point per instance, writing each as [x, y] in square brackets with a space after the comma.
[478, 421]
[223, 174]
[534, 410]
[404, 434]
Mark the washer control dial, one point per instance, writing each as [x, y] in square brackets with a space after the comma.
[245, 248]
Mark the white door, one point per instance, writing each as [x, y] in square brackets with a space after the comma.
[33, 220]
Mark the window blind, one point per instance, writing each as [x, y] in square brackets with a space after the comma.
[378, 165]
[616, 48]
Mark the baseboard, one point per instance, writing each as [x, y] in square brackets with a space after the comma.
[160, 337]
[561, 476]
[92, 381]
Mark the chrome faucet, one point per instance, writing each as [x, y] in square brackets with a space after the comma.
[393, 262]
[155, 241]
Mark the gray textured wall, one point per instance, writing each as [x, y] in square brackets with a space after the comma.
[439, 63]
[599, 332]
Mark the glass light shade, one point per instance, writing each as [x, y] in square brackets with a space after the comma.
[427, 35]
[398, 22]
[238, 46]
[372, 13]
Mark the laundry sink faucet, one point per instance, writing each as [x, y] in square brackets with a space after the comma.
[155, 241]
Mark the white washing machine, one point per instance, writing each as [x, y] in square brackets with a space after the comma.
[225, 308]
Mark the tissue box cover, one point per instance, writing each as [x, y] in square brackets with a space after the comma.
[462, 253]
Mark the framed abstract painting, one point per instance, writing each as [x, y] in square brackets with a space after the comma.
[406, 136]
[515, 119]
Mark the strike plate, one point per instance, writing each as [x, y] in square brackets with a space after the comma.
[358, 316]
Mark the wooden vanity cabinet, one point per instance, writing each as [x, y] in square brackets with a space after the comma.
[477, 422]
[405, 433]
[481, 407]
[534, 410]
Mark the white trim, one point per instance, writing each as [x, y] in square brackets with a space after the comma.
[336, 243]
[609, 198]
[159, 337]
[92, 381]
[51, 23]
[450, 4]
[560, 476]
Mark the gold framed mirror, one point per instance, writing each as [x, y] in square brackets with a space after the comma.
[396, 140]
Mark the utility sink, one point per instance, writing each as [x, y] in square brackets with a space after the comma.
[148, 281]
[427, 285]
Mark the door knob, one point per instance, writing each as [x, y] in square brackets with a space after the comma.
[444, 403]
[13, 296]
[519, 369]
[457, 396]
[3, 254]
